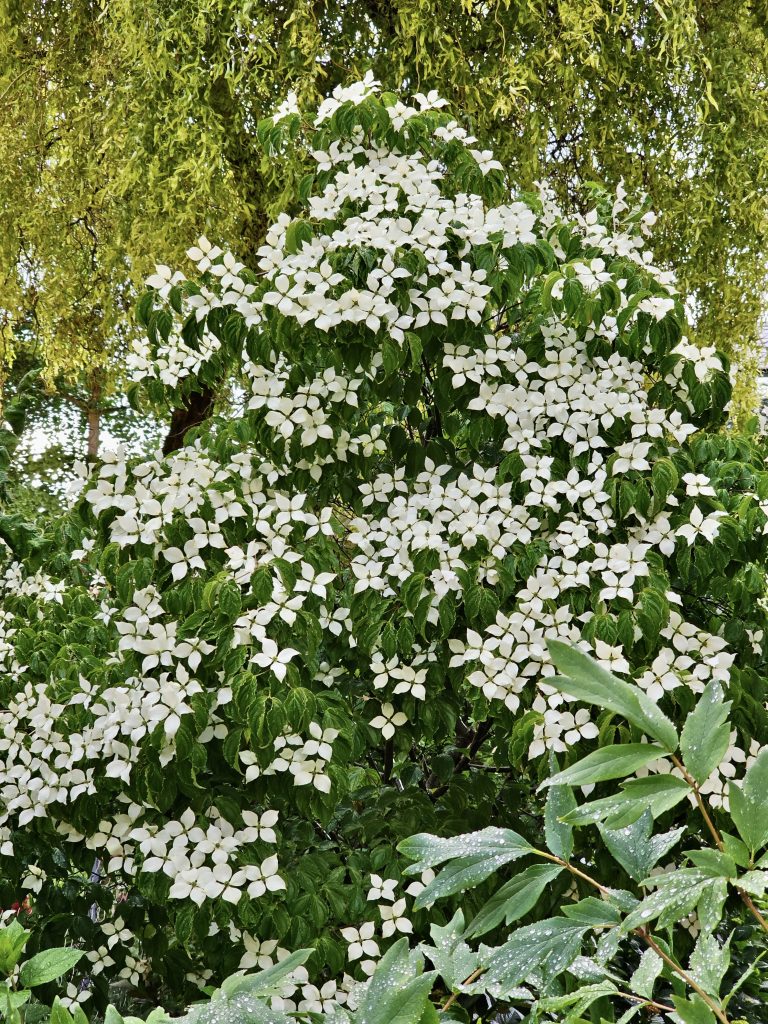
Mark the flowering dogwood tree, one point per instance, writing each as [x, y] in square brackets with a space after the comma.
[235, 677]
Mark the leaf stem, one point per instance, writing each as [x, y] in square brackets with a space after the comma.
[651, 942]
[467, 981]
[643, 934]
[718, 839]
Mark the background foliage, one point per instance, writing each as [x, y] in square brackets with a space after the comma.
[128, 126]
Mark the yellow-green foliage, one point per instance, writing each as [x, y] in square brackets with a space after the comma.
[128, 126]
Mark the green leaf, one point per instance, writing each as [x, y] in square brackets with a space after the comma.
[749, 810]
[13, 939]
[430, 850]
[709, 909]
[514, 899]
[269, 981]
[48, 965]
[676, 896]
[706, 733]
[15, 999]
[709, 962]
[552, 944]
[559, 834]
[693, 1010]
[715, 863]
[583, 678]
[396, 994]
[577, 1002]
[656, 793]
[634, 847]
[648, 970]
[664, 479]
[453, 959]
[242, 1007]
[607, 763]
[60, 1015]
[111, 1016]
[594, 912]
[464, 873]
[749, 807]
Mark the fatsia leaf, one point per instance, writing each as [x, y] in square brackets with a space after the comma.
[607, 763]
[514, 899]
[582, 677]
[706, 733]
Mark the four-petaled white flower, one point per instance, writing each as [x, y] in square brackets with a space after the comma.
[388, 721]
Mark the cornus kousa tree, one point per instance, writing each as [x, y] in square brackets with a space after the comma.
[465, 424]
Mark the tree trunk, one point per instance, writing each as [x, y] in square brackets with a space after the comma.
[93, 416]
[94, 424]
[199, 407]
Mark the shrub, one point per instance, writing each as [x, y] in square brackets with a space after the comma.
[237, 676]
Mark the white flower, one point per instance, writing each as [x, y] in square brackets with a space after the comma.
[697, 485]
[273, 659]
[382, 889]
[257, 953]
[388, 721]
[360, 941]
[394, 920]
[290, 105]
[700, 526]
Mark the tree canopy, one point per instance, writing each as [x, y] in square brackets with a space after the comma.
[128, 126]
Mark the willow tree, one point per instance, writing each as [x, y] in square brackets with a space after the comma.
[127, 124]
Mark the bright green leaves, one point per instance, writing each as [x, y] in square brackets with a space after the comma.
[582, 677]
[398, 992]
[549, 946]
[269, 981]
[709, 962]
[13, 939]
[607, 763]
[48, 965]
[451, 956]
[514, 899]
[558, 833]
[749, 803]
[656, 793]
[474, 857]
[675, 896]
[706, 733]
[429, 850]
[636, 849]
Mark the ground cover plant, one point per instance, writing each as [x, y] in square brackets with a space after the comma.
[238, 675]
